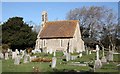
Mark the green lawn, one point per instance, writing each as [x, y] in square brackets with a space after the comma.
[8, 65]
[0, 66]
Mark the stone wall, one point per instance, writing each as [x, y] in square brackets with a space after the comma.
[75, 43]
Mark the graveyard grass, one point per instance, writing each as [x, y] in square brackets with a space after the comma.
[8, 65]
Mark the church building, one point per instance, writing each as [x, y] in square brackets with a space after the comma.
[63, 35]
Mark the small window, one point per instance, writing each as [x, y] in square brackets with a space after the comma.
[42, 17]
[37, 43]
[61, 43]
[44, 43]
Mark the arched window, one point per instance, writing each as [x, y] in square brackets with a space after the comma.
[44, 43]
[61, 43]
[42, 17]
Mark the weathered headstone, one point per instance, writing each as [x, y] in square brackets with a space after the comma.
[6, 56]
[17, 60]
[110, 56]
[67, 56]
[73, 57]
[90, 52]
[14, 55]
[71, 51]
[80, 55]
[17, 51]
[8, 50]
[98, 63]
[33, 51]
[26, 58]
[23, 53]
[50, 51]
[103, 60]
[47, 51]
[54, 59]
[54, 54]
[87, 51]
[1, 55]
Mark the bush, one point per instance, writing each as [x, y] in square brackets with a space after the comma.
[29, 50]
[4, 48]
[42, 60]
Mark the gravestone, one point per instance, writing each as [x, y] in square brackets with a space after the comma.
[54, 59]
[47, 51]
[90, 52]
[9, 50]
[54, 54]
[87, 51]
[6, 56]
[17, 60]
[50, 51]
[14, 55]
[71, 51]
[73, 57]
[98, 63]
[67, 56]
[23, 53]
[103, 60]
[1, 55]
[26, 58]
[33, 51]
[17, 51]
[110, 56]
[80, 55]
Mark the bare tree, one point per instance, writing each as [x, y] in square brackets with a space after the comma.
[94, 19]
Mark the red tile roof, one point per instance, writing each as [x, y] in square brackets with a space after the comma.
[59, 29]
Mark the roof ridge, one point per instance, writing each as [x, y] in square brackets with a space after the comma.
[62, 21]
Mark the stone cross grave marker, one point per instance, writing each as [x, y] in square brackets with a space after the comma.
[98, 63]
[97, 52]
